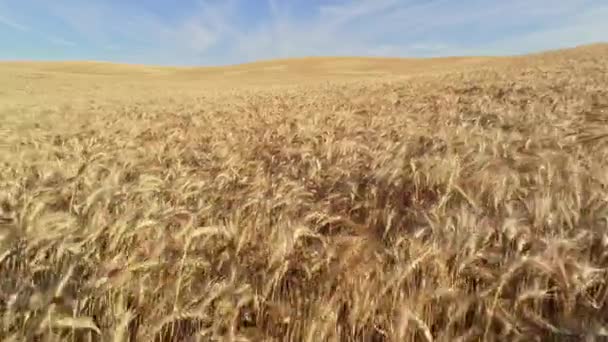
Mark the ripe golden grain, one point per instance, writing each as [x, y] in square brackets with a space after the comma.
[419, 200]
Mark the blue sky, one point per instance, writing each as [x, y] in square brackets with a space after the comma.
[218, 32]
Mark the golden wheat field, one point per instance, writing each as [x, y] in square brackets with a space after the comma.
[344, 199]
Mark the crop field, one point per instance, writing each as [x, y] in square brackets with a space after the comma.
[320, 199]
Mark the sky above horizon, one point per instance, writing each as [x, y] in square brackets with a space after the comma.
[220, 32]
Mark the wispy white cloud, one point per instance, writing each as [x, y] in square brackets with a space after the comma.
[51, 38]
[340, 14]
[433, 28]
[585, 27]
[218, 32]
[13, 24]
[60, 41]
[143, 35]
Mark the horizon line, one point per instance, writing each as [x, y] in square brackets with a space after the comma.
[295, 58]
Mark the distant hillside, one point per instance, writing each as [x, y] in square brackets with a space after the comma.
[308, 66]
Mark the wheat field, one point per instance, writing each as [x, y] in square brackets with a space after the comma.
[457, 199]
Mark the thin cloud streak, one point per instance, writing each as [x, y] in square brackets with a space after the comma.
[14, 25]
[361, 28]
[211, 32]
[56, 40]
[142, 33]
[60, 41]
